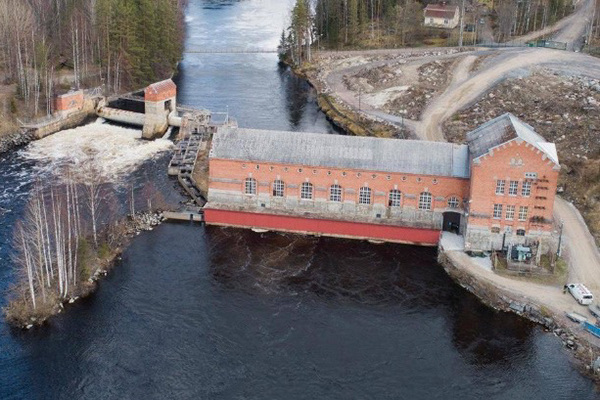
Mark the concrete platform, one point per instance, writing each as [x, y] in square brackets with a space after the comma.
[184, 216]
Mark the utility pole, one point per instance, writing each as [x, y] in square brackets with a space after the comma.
[589, 40]
[559, 239]
[359, 93]
[462, 24]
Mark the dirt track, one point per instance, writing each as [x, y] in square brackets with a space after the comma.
[459, 96]
[569, 29]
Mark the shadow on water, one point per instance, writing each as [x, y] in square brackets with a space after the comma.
[298, 94]
[397, 278]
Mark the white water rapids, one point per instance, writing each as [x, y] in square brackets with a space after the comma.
[112, 151]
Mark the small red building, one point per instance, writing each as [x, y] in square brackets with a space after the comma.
[159, 103]
[69, 102]
[382, 189]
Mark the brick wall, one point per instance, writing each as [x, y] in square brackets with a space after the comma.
[69, 102]
[511, 162]
[227, 177]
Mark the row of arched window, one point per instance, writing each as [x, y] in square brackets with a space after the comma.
[365, 195]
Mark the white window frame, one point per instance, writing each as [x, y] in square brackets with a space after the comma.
[364, 195]
[395, 198]
[250, 187]
[526, 189]
[453, 202]
[497, 214]
[510, 212]
[513, 188]
[335, 193]
[523, 211]
[500, 186]
[425, 201]
[278, 188]
[520, 230]
[306, 191]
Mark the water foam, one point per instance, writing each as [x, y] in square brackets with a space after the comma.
[113, 151]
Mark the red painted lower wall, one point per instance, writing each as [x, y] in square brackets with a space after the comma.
[356, 230]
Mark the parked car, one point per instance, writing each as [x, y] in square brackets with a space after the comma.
[594, 310]
[580, 293]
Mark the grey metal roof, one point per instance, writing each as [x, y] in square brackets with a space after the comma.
[339, 151]
[503, 129]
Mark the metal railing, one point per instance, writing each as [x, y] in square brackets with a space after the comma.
[247, 50]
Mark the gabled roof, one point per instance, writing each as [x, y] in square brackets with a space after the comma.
[160, 87]
[440, 11]
[343, 152]
[503, 129]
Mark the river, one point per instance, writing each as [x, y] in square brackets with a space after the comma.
[207, 313]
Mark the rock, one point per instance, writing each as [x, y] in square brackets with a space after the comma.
[558, 332]
[28, 326]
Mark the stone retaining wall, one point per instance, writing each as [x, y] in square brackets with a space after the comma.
[582, 350]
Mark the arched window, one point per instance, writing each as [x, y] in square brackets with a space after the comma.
[306, 191]
[335, 193]
[250, 186]
[453, 202]
[364, 195]
[395, 198]
[425, 201]
[278, 188]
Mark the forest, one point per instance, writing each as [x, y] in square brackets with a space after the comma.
[341, 24]
[70, 233]
[48, 46]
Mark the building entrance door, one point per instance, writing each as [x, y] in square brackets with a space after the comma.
[451, 222]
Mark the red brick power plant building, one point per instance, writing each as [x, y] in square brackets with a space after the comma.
[498, 187]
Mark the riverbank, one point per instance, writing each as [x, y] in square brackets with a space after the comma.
[46, 127]
[15, 139]
[19, 312]
[341, 116]
[526, 300]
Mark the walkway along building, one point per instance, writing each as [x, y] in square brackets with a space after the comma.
[498, 187]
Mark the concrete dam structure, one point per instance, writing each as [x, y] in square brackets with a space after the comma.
[153, 108]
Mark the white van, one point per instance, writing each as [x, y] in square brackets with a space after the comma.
[580, 293]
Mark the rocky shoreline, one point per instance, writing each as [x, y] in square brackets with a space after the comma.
[143, 221]
[15, 139]
[582, 351]
[342, 117]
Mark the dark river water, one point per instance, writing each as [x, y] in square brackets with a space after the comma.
[209, 313]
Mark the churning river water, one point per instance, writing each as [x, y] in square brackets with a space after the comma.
[207, 313]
